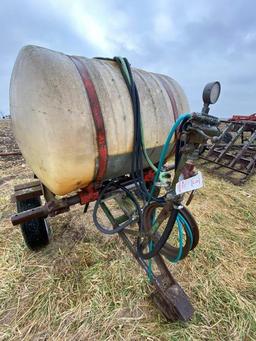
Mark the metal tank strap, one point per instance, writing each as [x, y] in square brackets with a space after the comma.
[97, 117]
[170, 95]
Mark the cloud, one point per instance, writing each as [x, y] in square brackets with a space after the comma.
[194, 42]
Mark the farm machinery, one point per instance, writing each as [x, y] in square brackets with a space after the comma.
[150, 200]
[233, 156]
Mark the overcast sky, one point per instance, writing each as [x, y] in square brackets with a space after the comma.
[192, 41]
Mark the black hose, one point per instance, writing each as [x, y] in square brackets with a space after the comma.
[118, 228]
[162, 240]
[171, 252]
[138, 154]
[137, 174]
[179, 144]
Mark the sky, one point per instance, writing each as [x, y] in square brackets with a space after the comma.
[194, 42]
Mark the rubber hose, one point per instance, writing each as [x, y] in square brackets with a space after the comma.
[162, 240]
[121, 227]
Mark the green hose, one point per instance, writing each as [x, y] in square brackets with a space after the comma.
[159, 174]
[165, 149]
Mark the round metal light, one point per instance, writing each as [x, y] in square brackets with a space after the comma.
[211, 92]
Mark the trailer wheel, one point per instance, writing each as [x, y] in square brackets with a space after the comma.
[36, 233]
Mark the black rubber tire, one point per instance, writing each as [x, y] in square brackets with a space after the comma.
[35, 232]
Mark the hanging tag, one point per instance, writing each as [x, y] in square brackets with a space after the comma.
[190, 184]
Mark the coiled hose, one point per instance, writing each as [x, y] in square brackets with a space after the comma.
[139, 151]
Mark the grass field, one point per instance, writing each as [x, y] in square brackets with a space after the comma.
[86, 286]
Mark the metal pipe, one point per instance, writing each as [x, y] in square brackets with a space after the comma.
[34, 213]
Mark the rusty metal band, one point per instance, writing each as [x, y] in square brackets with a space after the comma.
[170, 95]
[97, 117]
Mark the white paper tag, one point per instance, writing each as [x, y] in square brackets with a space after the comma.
[189, 184]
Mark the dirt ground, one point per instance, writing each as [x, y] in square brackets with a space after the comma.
[86, 286]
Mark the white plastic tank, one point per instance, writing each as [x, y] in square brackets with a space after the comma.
[73, 119]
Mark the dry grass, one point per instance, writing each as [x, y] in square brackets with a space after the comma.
[86, 286]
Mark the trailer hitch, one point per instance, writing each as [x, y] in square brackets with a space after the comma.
[51, 208]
